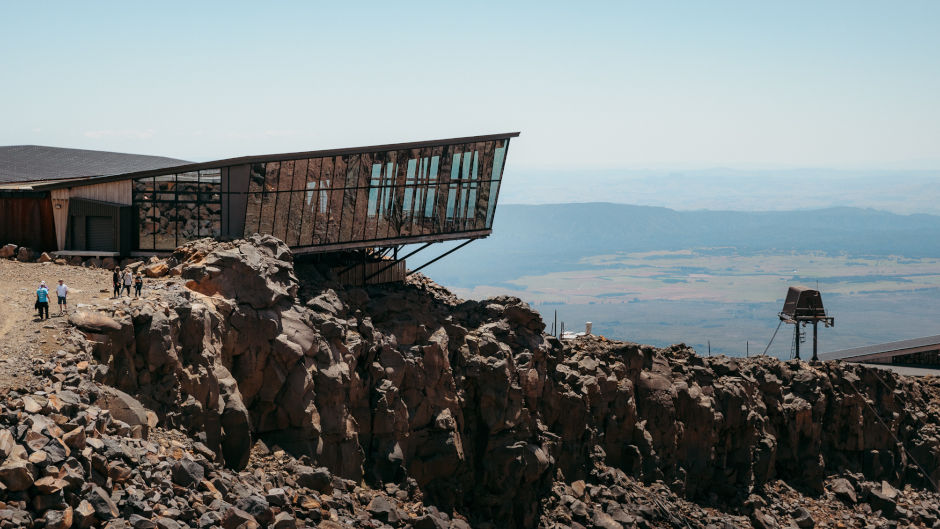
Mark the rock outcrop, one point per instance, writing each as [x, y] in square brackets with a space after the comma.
[471, 404]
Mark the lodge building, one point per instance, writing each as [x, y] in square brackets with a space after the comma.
[78, 202]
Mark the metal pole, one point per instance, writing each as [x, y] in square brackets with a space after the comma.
[747, 349]
[395, 262]
[796, 339]
[555, 324]
[709, 347]
[815, 357]
[439, 257]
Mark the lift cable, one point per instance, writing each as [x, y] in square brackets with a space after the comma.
[772, 337]
[891, 433]
[672, 517]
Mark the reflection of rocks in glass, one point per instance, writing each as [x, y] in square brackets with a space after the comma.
[282, 200]
[296, 203]
[165, 228]
[349, 198]
[269, 197]
[323, 212]
[335, 199]
[310, 202]
[255, 188]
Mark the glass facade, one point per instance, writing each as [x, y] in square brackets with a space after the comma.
[326, 200]
[175, 208]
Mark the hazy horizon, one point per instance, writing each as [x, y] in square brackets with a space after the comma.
[900, 192]
[845, 84]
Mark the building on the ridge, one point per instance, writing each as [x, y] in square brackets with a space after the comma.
[79, 202]
[917, 353]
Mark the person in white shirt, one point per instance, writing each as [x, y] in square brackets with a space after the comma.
[62, 291]
[128, 281]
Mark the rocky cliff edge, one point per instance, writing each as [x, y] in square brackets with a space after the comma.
[469, 405]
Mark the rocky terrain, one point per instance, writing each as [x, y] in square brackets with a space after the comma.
[247, 390]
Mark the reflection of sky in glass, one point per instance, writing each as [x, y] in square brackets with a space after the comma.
[303, 202]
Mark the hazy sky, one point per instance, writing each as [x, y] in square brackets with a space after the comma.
[602, 85]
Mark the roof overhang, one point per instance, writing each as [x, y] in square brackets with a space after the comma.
[59, 184]
[885, 350]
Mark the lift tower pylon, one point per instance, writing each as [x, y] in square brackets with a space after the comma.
[804, 305]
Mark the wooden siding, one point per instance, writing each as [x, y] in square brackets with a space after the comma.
[115, 192]
[354, 277]
[121, 219]
[60, 214]
[118, 192]
[27, 221]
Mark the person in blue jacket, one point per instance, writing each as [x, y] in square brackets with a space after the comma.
[42, 300]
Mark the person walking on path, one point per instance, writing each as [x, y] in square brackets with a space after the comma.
[62, 291]
[138, 284]
[116, 279]
[42, 300]
[128, 280]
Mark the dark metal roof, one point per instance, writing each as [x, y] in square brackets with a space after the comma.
[883, 348]
[188, 166]
[802, 303]
[32, 163]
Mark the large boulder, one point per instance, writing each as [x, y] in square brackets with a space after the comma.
[258, 272]
[8, 251]
[100, 500]
[126, 408]
[16, 474]
[235, 422]
[157, 269]
[94, 321]
[188, 473]
[25, 255]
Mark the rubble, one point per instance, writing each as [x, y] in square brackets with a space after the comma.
[252, 391]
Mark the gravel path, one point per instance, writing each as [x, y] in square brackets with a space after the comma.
[23, 336]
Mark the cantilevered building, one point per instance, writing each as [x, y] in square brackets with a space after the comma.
[100, 203]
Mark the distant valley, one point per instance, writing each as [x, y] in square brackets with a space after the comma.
[717, 278]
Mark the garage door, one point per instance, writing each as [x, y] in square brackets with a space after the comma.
[99, 234]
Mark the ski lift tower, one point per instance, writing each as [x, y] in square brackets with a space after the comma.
[804, 305]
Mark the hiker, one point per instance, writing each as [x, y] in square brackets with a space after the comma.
[128, 280]
[42, 300]
[62, 291]
[116, 279]
[138, 284]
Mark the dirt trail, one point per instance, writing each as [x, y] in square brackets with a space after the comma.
[23, 336]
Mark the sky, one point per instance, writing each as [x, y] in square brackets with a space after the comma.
[590, 85]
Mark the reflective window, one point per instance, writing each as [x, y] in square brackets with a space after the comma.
[432, 186]
[143, 198]
[360, 197]
[254, 199]
[499, 160]
[209, 204]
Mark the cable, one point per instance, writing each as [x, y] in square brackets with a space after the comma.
[664, 508]
[890, 432]
[885, 384]
[772, 337]
[903, 402]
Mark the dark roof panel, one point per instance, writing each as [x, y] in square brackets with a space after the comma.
[882, 348]
[31, 163]
[53, 167]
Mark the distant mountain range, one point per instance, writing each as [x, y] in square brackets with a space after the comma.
[538, 239]
[723, 189]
